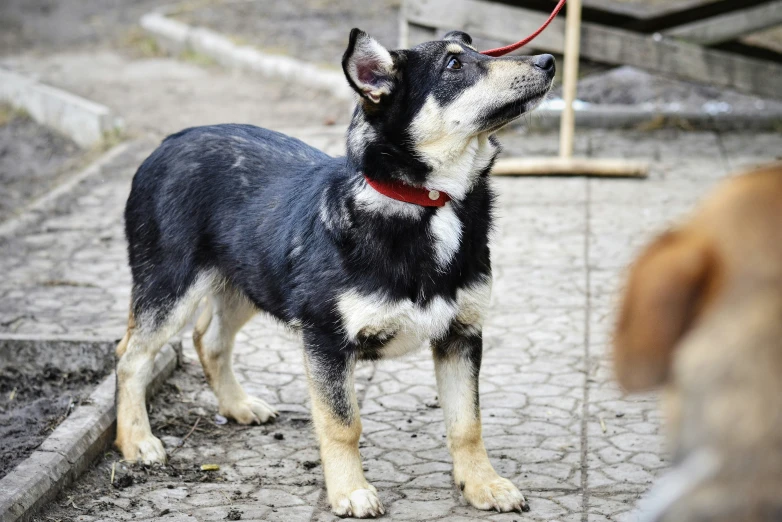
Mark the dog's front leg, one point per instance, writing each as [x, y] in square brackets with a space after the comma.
[335, 414]
[457, 360]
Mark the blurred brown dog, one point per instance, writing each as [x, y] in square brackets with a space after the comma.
[702, 314]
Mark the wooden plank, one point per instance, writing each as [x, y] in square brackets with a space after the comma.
[615, 46]
[569, 167]
[730, 26]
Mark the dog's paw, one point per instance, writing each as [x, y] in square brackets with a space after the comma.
[498, 494]
[147, 450]
[359, 503]
[249, 411]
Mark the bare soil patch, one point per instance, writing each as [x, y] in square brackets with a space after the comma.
[33, 160]
[33, 405]
[53, 25]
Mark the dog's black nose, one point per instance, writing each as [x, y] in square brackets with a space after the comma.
[545, 62]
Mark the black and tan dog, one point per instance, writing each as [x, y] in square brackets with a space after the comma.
[702, 314]
[369, 255]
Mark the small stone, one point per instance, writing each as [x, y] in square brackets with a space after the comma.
[123, 481]
[279, 436]
[220, 420]
[171, 442]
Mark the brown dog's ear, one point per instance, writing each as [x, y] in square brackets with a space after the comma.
[665, 293]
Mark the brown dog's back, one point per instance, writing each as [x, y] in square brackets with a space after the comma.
[702, 314]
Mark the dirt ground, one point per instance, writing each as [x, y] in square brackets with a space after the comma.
[33, 405]
[50, 25]
[33, 159]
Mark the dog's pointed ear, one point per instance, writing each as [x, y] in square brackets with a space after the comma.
[668, 288]
[369, 67]
[458, 36]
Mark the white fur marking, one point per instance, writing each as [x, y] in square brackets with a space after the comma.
[445, 144]
[369, 199]
[446, 231]
[361, 133]
[340, 220]
[410, 323]
[473, 303]
[456, 391]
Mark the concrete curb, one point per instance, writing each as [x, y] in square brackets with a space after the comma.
[72, 447]
[84, 121]
[49, 200]
[178, 36]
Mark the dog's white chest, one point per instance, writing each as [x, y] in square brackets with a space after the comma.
[405, 323]
[408, 325]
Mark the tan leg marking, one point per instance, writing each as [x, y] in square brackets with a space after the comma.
[226, 312]
[348, 491]
[473, 473]
[137, 350]
[134, 373]
[123, 344]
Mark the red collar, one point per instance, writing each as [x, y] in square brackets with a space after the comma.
[409, 194]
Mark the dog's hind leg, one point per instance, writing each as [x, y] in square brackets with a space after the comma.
[226, 312]
[457, 360]
[335, 414]
[149, 328]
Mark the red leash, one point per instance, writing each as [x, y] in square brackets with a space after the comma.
[499, 51]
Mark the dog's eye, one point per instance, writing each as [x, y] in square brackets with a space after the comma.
[453, 63]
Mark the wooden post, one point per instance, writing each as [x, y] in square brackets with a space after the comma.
[570, 78]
